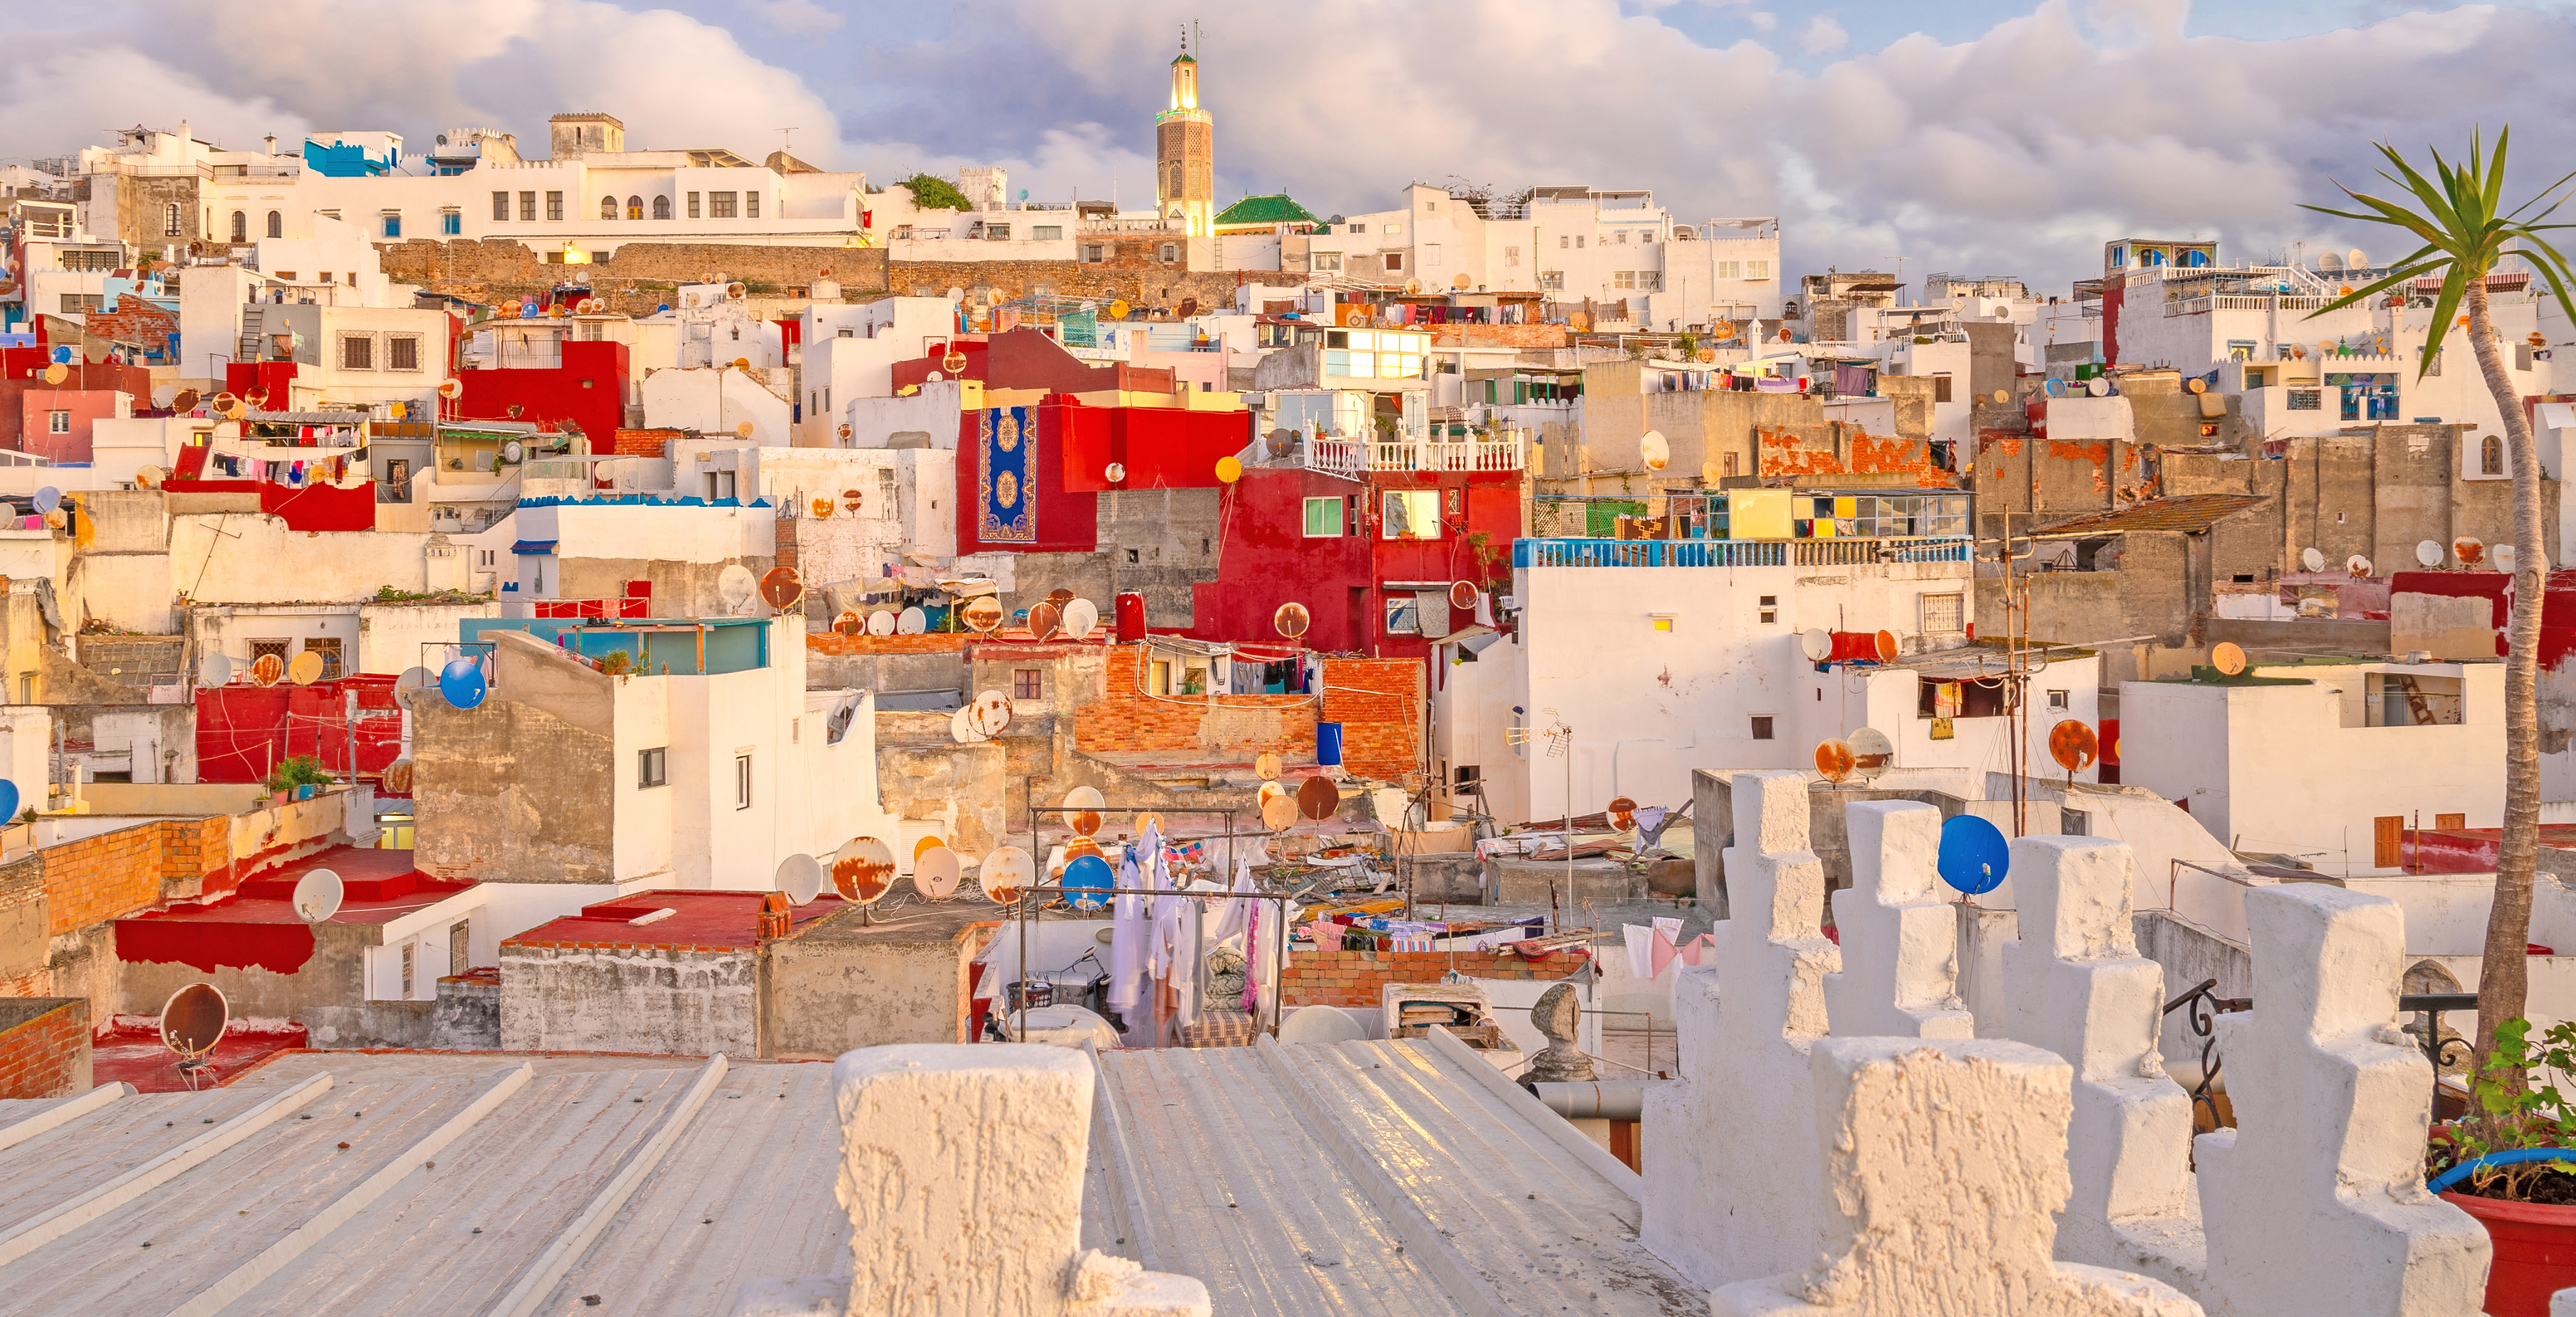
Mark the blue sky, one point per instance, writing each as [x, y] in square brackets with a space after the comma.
[1978, 137]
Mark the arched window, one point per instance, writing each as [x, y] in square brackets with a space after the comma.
[170, 226]
[276, 225]
[241, 227]
[2491, 456]
[1175, 190]
[661, 208]
[635, 208]
[608, 208]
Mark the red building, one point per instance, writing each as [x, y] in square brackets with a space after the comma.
[244, 730]
[588, 392]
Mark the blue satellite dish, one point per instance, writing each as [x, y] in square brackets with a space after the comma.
[1091, 880]
[62, 356]
[1974, 855]
[461, 681]
[1024, 194]
[48, 499]
[8, 799]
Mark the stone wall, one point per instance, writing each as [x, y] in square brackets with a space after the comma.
[44, 1047]
[636, 278]
[627, 997]
[1358, 978]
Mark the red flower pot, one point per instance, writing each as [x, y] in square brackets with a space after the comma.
[2535, 1252]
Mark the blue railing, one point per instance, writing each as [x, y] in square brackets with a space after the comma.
[1736, 553]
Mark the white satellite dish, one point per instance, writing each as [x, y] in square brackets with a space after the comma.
[911, 621]
[1654, 450]
[800, 877]
[1084, 798]
[2503, 554]
[735, 585]
[2003, 312]
[1872, 753]
[512, 451]
[2429, 553]
[318, 895]
[883, 622]
[2329, 261]
[935, 872]
[1080, 617]
[1006, 873]
[962, 728]
[1816, 643]
[214, 670]
[2312, 559]
[2098, 386]
[2356, 565]
[2355, 260]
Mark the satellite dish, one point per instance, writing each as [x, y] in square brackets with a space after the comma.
[451, 389]
[2072, 744]
[1228, 470]
[48, 499]
[411, 681]
[1005, 874]
[513, 451]
[1317, 798]
[883, 622]
[1816, 643]
[1059, 597]
[305, 669]
[149, 477]
[1884, 644]
[461, 681]
[2003, 395]
[1081, 617]
[318, 895]
[1291, 620]
[1279, 813]
[735, 585]
[982, 613]
[1872, 753]
[1270, 791]
[863, 870]
[267, 670]
[2504, 557]
[780, 588]
[1266, 766]
[216, 669]
[57, 373]
[2098, 386]
[2228, 657]
[910, 622]
[1118, 310]
[2197, 385]
[849, 623]
[936, 872]
[1462, 595]
[2355, 260]
[165, 395]
[1974, 856]
[800, 878]
[1655, 451]
[961, 727]
[193, 1020]
[186, 401]
[1044, 621]
[396, 779]
[1084, 798]
[1090, 879]
[2428, 552]
[1834, 759]
[2470, 550]
[2357, 565]
[1116, 472]
[991, 713]
[2329, 261]
[743, 430]
[2312, 558]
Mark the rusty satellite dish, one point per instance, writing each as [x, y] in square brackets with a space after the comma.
[1834, 759]
[2072, 744]
[397, 778]
[2357, 566]
[1872, 753]
[800, 879]
[1291, 620]
[961, 727]
[2470, 550]
[780, 588]
[2228, 657]
[1081, 618]
[1006, 873]
[1279, 813]
[192, 1024]
[185, 402]
[991, 713]
[1623, 813]
[1044, 621]
[1087, 824]
[1317, 798]
[863, 870]
[268, 670]
[1462, 594]
[982, 613]
[318, 895]
[1655, 451]
[849, 623]
[936, 872]
[1059, 597]
[1266, 766]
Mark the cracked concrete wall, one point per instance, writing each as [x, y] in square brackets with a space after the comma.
[509, 791]
[660, 1000]
[922, 781]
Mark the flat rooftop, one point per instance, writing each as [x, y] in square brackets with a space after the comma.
[378, 886]
[721, 921]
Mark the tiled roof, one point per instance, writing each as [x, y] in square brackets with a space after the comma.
[1276, 208]
[2190, 512]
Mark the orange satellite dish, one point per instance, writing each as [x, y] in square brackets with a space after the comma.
[1623, 813]
[2073, 745]
[1834, 759]
[863, 870]
[1886, 645]
[781, 588]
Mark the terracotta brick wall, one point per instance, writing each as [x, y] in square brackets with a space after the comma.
[192, 848]
[1358, 978]
[1127, 721]
[46, 1053]
[1500, 336]
[99, 878]
[1379, 703]
[135, 321]
[833, 642]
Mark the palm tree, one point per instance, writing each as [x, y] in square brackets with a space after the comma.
[2458, 215]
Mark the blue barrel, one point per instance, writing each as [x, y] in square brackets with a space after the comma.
[1328, 744]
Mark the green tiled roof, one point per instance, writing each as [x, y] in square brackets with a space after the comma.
[1276, 208]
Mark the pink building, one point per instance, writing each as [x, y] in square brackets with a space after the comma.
[55, 423]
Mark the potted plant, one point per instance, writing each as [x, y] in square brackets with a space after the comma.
[300, 777]
[2511, 1163]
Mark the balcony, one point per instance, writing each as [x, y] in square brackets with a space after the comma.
[1737, 553]
[1356, 457]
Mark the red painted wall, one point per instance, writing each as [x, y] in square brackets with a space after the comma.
[22, 371]
[244, 731]
[588, 390]
[1028, 359]
[35, 422]
[1160, 447]
[269, 381]
[1068, 522]
[2113, 298]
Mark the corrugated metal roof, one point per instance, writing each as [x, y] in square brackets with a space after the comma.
[2188, 512]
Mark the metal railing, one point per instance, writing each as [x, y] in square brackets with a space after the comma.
[1351, 457]
[2428, 1009]
[1567, 552]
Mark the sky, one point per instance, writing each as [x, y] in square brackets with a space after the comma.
[1972, 136]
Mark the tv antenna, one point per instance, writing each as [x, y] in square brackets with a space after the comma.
[1559, 739]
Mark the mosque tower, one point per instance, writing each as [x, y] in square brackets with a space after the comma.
[1185, 153]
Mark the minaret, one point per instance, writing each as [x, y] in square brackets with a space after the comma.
[1185, 153]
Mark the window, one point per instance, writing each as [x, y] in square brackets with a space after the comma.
[1943, 612]
[409, 956]
[1411, 514]
[451, 221]
[1651, 280]
[1171, 251]
[1757, 269]
[1578, 241]
[241, 227]
[81, 303]
[662, 207]
[1394, 262]
[885, 494]
[742, 780]
[1092, 253]
[1762, 727]
[1730, 269]
[1028, 683]
[652, 767]
[1621, 238]
[500, 206]
[2058, 700]
[528, 206]
[1646, 235]
[357, 352]
[1359, 228]
[720, 205]
[58, 422]
[693, 205]
[329, 649]
[393, 224]
[1511, 257]
[992, 232]
[1941, 387]
[1770, 610]
[608, 208]
[751, 205]
[1403, 615]
[2491, 456]
[459, 941]
[1323, 517]
[1554, 279]
[1564, 241]
[1623, 278]
[1328, 262]
[2305, 400]
[1046, 233]
[170, 226]
[402, 352]
[635, 208]
[1431, 253]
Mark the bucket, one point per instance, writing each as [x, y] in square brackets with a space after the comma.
[1328, 744]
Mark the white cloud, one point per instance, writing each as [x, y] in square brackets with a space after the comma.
[1763, 20]
[803, 17]
[1824, 35]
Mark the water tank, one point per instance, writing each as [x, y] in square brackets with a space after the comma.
[1131, 618]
